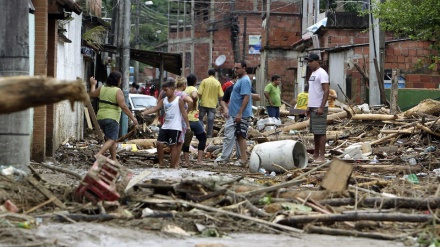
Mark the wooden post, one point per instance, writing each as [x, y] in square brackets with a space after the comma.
[394, 92]
[383, 98]
[98, 131]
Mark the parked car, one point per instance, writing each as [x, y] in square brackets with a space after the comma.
[139, 102]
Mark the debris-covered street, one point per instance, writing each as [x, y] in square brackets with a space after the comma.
[380, 182]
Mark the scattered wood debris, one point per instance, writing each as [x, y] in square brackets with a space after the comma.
[381, 181]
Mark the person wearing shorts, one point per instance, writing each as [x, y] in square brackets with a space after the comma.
[172, 127]
[111, 104]
[238, 115]
[317, 107]
[196, 126]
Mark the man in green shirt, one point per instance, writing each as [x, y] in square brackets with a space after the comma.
[273, 95]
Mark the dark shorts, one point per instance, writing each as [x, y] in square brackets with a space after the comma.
[196, 127]
[318, 123]
[168, 136]
[242, 127]
[110, 128]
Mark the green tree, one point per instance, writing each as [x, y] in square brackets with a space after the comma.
[418, 19]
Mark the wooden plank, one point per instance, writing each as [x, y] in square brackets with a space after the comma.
[88, 120]
[45, 192]
[336, 178]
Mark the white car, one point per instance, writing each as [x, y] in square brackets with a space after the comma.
[139, 102]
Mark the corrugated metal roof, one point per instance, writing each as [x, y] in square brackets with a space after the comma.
[172, 62]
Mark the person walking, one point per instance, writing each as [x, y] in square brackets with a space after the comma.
[171, 129]
[187, 100]
[193, 118]
[210, 92]
[229, 140]
[238, 116]
[111, 103]
[317, 108]
[273, 95]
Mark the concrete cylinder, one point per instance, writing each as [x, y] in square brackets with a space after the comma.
[288, 154]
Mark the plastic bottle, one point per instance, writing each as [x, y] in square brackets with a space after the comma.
[412, 161]
[25, 225]
[430, 149]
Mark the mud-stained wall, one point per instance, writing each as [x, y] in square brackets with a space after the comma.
[70, 65]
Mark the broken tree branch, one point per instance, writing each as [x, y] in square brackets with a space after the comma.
[376, 202]
[396, 217]
[220, 211]
[60, 169]
[274, 187]
[341, 232]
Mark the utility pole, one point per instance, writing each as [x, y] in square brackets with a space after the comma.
[374, 90]
[184, 41]
[124, 53]
[192, 35]
[15, 128]
[136, 46]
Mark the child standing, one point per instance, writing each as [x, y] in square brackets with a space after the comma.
[172, 126]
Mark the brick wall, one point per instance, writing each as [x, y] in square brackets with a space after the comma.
[411, 57]
[279, 63]
[41, 42]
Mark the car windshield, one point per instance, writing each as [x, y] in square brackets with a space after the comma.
[143, 102]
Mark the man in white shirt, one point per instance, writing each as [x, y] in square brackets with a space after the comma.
[317, 107]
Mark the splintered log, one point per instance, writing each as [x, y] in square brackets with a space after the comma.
[18, 93]
[385, 203]
[380, 117]
[426, 129]
[427, 106]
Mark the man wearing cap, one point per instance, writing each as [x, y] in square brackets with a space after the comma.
[317, 107]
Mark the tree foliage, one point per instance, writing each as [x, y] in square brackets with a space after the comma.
[153, 22]
[417, 19]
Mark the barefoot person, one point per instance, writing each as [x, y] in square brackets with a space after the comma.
[111, 102]
[317, 107]
[196, 126]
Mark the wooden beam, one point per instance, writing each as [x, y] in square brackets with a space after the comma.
[45, 192]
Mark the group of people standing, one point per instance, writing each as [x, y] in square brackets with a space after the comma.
[185, 108]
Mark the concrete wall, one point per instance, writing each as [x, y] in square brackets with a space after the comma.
[70, 65]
